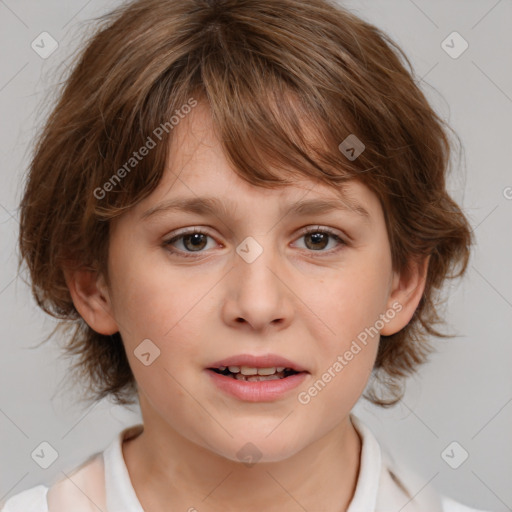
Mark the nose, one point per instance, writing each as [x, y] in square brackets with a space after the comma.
[258, 296]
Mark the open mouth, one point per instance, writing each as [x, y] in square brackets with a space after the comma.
[248, 374]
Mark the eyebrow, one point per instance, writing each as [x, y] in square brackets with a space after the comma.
[210, 205]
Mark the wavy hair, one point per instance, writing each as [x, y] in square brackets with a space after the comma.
[286, 81]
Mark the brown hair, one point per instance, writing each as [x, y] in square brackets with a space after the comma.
[274, 73]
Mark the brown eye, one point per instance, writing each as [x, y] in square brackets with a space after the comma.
[195, 241]
[191, 242]
[317, 240]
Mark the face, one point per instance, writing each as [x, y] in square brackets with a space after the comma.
[252, 280]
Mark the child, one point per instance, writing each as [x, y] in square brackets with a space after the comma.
[290, 138]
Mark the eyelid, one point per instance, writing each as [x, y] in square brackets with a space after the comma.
[303, 231]
[191, 231]
[319, 228]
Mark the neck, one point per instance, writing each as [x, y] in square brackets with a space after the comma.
[169, 472]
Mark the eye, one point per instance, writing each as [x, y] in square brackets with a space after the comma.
[193, 241]
[317, 239]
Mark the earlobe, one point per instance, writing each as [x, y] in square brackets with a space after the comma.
[91, 299]
[405, 295]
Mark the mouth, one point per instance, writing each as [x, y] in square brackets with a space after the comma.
[252, 374]
[245, 376]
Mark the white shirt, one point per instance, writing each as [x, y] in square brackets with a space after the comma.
[102, 482]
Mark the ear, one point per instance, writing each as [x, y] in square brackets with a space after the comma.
[91, 299]
[405, 294]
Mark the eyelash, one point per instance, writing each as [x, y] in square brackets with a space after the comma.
[189, 254]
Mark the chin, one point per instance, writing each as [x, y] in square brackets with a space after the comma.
[250, 450]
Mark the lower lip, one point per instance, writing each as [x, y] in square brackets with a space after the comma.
[259, 391]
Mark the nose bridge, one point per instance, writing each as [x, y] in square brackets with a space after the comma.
[256, 258]
[258, 293]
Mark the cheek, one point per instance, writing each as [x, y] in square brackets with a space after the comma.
[156, 302]
[152, 310]
[346, 353]
[356, 298]
[351, 306]
[149, 297]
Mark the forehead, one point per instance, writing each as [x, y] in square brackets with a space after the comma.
[199, 178]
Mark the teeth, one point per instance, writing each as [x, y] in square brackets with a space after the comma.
[255, 378]
[247, 370]
[251, 371]
[266, 371]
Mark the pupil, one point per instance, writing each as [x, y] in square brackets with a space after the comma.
[195, 238]
[318, 238]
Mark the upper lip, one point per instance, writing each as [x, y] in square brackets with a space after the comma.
[253, 361]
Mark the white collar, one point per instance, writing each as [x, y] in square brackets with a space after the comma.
[365, 495]
[120, 494]
[378, 485]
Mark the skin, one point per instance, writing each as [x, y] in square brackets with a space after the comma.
[304, 301]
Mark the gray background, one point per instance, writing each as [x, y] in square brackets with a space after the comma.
[464, 394]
